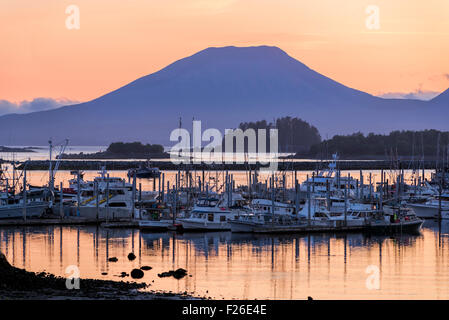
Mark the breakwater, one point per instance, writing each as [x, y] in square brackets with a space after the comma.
[305, 165]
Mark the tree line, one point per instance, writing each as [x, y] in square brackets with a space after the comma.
[134, 148]
[425, 143]
[294, 134]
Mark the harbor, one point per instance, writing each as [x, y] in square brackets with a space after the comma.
[326, 199]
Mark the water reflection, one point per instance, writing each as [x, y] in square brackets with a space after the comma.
[245, 266]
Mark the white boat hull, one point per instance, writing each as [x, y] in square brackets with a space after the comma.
[16, 212]
[244, 226]
[427, 211]
[190, 225]
[103, 213]
[155, 224]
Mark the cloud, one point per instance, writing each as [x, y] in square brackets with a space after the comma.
[418, 95]
[439, 77]
[37, 104]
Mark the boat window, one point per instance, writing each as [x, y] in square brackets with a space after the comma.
[117, 204]
[222, 218]
[210, 217]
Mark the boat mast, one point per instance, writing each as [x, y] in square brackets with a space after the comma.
[50, 170]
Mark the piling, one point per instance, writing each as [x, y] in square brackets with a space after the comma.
[107, 199]
[140, 200]
[78, 194]
[24, 209]
[61, 202]
[134, 196]
[97, 200]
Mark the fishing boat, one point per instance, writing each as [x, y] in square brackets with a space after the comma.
[34, 205]
[254, 223]
[330, 180]
[397, 219]
[431, 208]
[265, 206]
[113, 203]
[154, 216]
[208, 214]
[144, 172]
[28, 203]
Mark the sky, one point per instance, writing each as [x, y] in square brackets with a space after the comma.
[403, 53]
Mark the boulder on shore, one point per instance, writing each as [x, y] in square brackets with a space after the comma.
[137, 274]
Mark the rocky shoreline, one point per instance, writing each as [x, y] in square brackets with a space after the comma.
[19, 284]
[17, 149]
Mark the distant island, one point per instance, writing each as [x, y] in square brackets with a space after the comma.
[17, 149]
[298, 137]
[428, 144]
[294, 134]
[123, 150]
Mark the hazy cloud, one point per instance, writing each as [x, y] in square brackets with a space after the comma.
[37, 104]
[418, 95]
[439, 77]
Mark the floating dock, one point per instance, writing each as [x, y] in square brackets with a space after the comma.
[68, 221]
[306, 229]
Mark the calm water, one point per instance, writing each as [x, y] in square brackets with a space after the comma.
[42, 152]
[226, 265]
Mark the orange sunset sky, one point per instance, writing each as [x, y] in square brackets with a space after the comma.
[121, 40]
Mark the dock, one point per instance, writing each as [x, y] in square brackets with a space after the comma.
[308, 229]
[47, 222]
[67, 221]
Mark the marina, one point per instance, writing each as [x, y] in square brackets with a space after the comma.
[325, 200]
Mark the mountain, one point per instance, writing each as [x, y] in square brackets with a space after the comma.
[222, 87]
[442, 98]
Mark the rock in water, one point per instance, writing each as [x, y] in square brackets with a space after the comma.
[131, 256]
[137, 274]
[177, 274]
[165, 274]
[113, 259]
[180, 273]
[146, 268]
